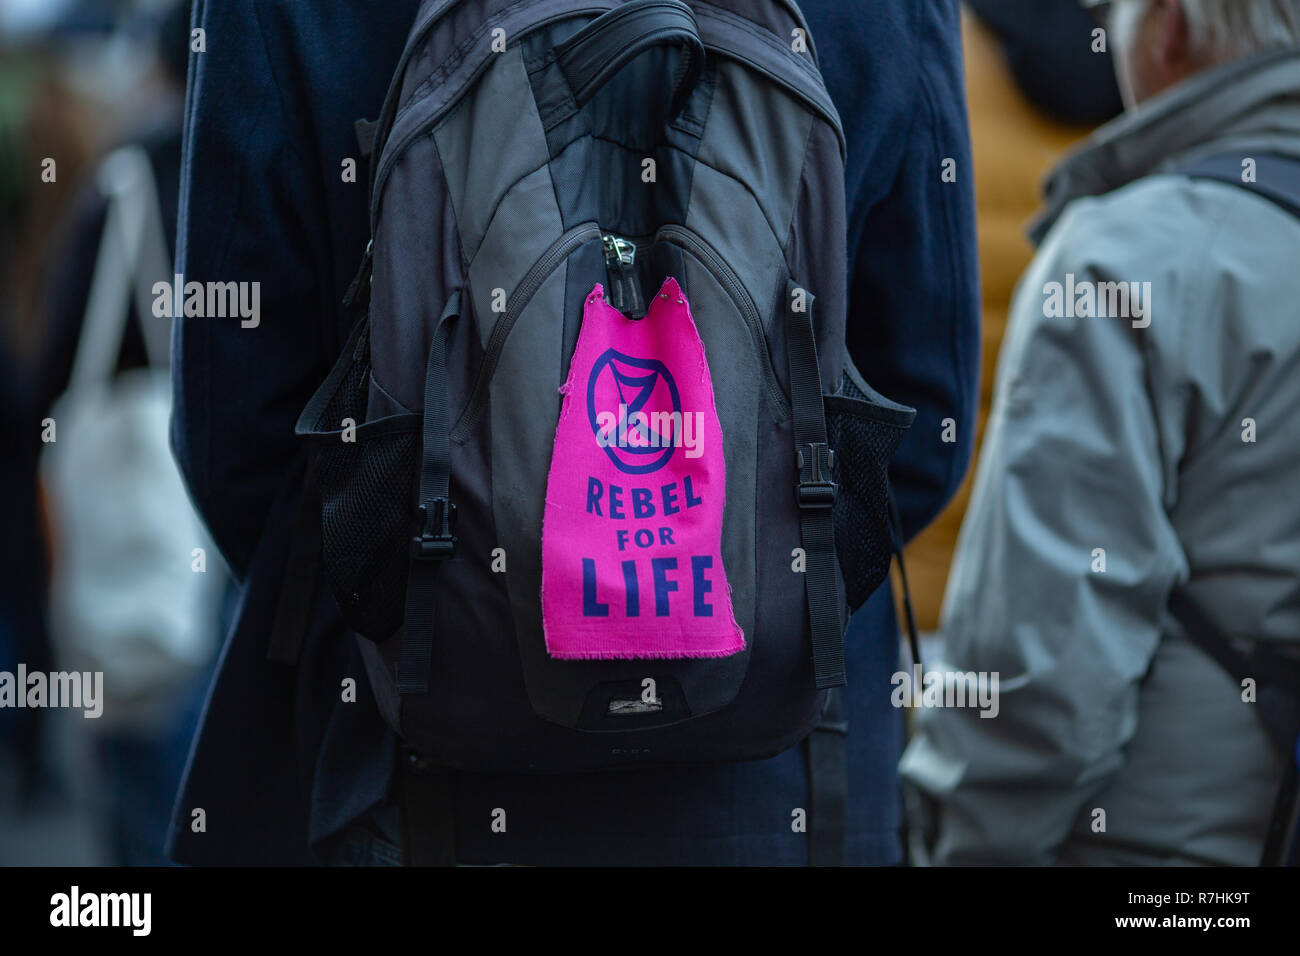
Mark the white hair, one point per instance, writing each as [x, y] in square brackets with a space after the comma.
[1226, 29]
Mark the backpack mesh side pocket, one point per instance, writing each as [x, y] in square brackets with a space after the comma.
[367, 492]
[864, 429]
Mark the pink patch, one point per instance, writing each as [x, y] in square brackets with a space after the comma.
[631, 545]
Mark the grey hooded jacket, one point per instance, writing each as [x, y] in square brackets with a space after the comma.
[1127, 456]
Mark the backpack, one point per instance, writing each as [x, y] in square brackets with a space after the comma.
[544, 171]
[1275, 674]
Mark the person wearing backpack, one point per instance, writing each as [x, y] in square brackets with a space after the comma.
[1130, 565]
[597, 648]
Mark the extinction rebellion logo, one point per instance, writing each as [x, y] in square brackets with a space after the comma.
[640, 422]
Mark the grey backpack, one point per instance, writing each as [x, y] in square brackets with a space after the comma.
[527, 151]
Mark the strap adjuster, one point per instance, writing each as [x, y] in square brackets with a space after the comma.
[840, 727]
[815, 488]
[435, 540]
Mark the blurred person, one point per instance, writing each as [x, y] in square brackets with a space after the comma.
[40, 116]
[1050, 51]
[143, 738]
[1135, 489]
[285, 771]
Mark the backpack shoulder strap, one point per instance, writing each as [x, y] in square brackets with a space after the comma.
[1277, 680]
[1277, 178]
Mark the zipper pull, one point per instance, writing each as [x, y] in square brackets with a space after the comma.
[620, 264]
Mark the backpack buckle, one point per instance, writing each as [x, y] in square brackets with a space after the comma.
[815, 488]
[435, 540]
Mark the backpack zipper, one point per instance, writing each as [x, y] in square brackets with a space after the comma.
[620, 258]
[523, 294]
[728, 279]
[620, 269]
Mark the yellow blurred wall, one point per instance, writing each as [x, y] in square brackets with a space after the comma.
[1013, 146]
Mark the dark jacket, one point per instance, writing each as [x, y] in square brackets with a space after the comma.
[280, 762]
[1049, 49]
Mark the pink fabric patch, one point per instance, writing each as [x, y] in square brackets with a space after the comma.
[631, 545]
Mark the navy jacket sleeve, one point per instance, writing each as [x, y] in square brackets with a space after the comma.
[249, 199]
[264, 200]
[895, 73]
[271, 105]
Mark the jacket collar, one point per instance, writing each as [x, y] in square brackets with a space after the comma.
[1247, 104]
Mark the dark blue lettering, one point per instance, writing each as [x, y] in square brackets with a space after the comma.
[699, 564]
[642, 503]
[630, 586]
[691, 499]
[590, 606]
[659, 568]
[670, 499]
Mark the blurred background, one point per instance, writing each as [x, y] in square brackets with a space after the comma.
[93, 528]
[83, 80]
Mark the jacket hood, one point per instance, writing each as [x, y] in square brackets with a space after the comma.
[1250, 104]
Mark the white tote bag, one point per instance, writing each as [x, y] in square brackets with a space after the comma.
[128, 598]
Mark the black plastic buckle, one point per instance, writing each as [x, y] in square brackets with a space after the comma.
[815, 489]
[435, 540]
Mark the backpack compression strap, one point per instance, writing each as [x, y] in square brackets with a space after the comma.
[1277, 679]
[435, 539]
[1277, 178]
[827, 764]
[816, 495]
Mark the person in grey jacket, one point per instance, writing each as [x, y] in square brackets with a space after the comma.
[1144, 443]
